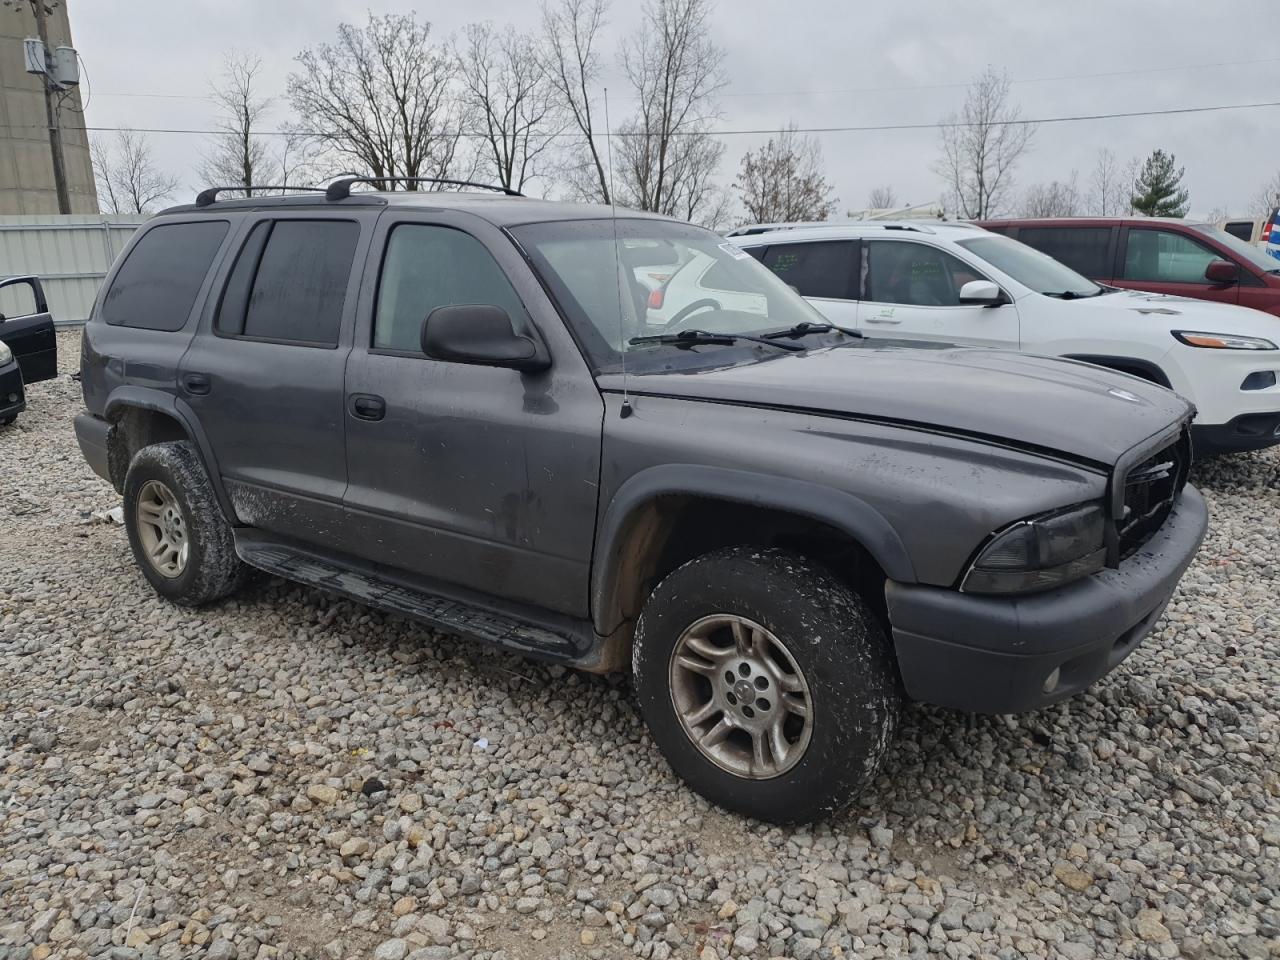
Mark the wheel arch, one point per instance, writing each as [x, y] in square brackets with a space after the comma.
[140, 416]
[666, 515]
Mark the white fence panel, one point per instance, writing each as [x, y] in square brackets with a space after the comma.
[70, 255]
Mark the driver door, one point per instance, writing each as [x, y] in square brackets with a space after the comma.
[1162, 261]
[911, 291]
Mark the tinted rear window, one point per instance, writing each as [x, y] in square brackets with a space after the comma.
[156, 286]
[1241, 229]
[821, 269]
[1083, 249]
[290, 282]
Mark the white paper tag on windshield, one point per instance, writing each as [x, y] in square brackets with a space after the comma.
[736, 252]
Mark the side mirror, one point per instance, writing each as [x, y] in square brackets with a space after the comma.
[481, 334]
[981, 293]
[1222, 271]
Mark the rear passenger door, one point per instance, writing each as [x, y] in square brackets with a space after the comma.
[1166, 261]
[911, 290]
[477, 477]
[265, 372]
[824, 272]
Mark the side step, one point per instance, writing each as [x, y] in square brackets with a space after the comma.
[451, 616]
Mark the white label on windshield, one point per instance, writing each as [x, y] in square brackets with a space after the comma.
[736, 252]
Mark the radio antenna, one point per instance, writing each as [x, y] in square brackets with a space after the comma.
[617, 256]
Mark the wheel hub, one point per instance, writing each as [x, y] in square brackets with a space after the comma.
[740, 696]
[162, 531]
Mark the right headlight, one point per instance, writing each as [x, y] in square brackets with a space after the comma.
[1041, 552]
[5, 353]
[1221, 341]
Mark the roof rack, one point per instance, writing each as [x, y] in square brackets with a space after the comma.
[341, 189]
[207, 197]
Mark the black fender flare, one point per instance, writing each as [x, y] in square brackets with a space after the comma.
[1119, 364]
[838, 509]
[148, 398]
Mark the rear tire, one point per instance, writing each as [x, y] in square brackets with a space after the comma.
[181, 541]
[780, 670]
[5, 421]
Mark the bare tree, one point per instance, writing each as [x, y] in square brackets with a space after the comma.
[1267, 198]
[981, 146]
[783, 180]
[240, 155]
[570, 28]
[667, 157]
[1058, 198]
[381, 98]
[1129, 181]
[506, 86]
[882, 198]
[1109, 186]
[127, 177]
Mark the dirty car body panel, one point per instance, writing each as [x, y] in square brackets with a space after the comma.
[541, 496]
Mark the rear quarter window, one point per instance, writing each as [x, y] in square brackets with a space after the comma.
[156, 287]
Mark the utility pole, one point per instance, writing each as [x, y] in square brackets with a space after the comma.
[51, 111]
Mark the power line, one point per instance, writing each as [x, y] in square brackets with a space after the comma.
[762, 131]
[891, 89]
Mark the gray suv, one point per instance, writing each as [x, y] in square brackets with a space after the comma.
[475, 410]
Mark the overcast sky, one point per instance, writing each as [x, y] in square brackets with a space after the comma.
[807, 61]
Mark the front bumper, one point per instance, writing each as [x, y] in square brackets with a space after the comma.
[13, 397]
[993, 654]
[1249, 431]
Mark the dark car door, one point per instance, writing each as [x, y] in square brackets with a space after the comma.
[1166, 260]
[26, 327]
[264, 374]
[481, 477]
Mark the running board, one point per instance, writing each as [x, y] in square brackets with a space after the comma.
[450, 616]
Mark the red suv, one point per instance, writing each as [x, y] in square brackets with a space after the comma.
[1161, 255]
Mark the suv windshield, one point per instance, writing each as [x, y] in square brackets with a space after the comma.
[1030, 267]
[1254, 256]
[665, 278]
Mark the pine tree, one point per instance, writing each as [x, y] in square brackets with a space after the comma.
[1158, 191]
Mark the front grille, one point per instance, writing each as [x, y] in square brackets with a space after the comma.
[1150, 489]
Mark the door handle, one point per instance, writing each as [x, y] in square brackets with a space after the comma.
[365, 406]
[882, 320]
[196, 383]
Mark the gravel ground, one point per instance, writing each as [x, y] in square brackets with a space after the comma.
[292, 775]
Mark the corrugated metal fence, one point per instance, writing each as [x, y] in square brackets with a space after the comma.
[70, 254]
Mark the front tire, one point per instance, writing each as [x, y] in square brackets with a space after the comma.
[181, 541]
[767, 684]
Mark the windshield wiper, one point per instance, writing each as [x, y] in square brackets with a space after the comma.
[693, 338]
[804, 328]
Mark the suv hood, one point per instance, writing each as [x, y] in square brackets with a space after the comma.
[1061, 406]
[1180, 313]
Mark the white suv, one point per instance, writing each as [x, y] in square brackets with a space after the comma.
[957, 283]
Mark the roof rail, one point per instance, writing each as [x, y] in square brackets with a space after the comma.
[206, 198]
[341, 189]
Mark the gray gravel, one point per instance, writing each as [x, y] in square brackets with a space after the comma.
[291, 775]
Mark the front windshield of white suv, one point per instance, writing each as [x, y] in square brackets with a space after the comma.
[1031, 268]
